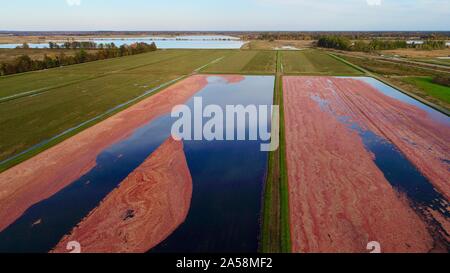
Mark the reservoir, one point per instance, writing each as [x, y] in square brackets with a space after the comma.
[182, 42]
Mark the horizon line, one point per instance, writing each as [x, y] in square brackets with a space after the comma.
[22, 30]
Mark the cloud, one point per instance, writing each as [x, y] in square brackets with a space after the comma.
[72, 3]
[374, 2]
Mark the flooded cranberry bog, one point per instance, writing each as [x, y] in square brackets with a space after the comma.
[365, 163]
[203, 196]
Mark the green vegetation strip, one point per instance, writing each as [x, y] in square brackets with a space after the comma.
[271, 221]
[275, 223]
[286, 243]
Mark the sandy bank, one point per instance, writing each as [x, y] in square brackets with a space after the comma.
[143, 211]
[44, 175]
[339, 199]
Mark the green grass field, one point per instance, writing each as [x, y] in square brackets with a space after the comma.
[245, 62]
[314, 62]
[78, 93]
[41, 81]
[427, 85]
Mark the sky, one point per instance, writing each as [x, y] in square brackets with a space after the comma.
[222, 15]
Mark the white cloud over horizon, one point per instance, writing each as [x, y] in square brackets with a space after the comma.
[374, 2]
[72, 3]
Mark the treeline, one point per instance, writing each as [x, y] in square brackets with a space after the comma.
[336, 42]
[279, 36]
[378, 45]
[24, 63]
[433, 45]
[352, 35]
[73, 45]
[343, 43]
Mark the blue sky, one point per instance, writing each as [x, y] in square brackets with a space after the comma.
[225, 15]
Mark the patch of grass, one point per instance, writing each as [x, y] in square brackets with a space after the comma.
[314, 62]
[29, 120]
[263, 61]
[232, 63]
[427, 85]
[245, 62]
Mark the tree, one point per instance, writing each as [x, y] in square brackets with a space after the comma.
[81, 56]
[153, 47]
[61, 59]
[48, 62]
[24, 63]
[430, 44]
[2, 69]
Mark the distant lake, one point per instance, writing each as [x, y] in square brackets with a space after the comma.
[180, 42]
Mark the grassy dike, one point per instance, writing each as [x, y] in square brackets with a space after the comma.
[286, 245]
[275, 236]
